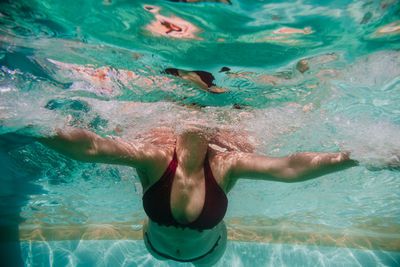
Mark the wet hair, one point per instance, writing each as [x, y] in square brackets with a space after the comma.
[206, 77]
[172, 71]
[302, 66]
[237, 106]
[148, 8]
[223, 69]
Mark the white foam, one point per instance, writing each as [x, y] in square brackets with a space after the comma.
[373, 143]
[24, 111]
[374, 70]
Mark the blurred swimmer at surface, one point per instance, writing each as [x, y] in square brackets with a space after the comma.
[204, 80]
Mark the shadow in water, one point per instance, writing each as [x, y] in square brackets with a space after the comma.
[16, 184]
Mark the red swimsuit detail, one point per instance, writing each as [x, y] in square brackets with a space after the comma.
[157, 199]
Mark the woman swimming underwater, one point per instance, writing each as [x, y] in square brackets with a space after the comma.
[186, 178]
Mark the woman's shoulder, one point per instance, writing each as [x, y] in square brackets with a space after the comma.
[221, 163]
[157, 161]
[223, 156]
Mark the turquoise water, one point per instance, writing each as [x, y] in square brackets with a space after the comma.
[304, 76]
[133, 253]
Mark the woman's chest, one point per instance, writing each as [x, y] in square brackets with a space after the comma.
[187, 197]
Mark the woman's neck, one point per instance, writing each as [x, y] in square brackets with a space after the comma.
[191, 149]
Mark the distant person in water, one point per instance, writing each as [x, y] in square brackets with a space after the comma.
[202, 79]
[185, 178]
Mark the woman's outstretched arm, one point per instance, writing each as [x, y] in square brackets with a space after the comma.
[87, 146]
[292, 168]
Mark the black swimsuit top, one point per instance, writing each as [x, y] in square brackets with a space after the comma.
[156, 200]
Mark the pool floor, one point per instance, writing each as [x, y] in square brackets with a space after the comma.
[134, 253]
